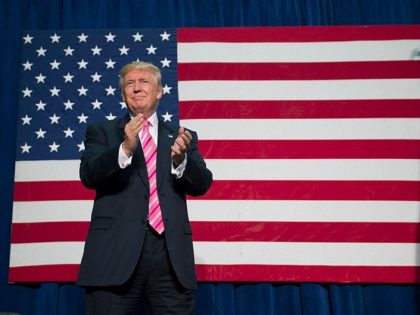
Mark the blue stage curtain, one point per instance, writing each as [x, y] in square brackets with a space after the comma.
[212, 298]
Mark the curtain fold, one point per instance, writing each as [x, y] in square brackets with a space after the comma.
[212, 298]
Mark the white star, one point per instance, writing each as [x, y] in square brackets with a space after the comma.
[82, 37]
[110, 90]
[82, 118]
[123, 105]
[55, 91]
[27, 39]
[54, 147]
[110, 37]
[167, 89]
[82, 64]
[110, 116]
[165, 36]
[68, 51]
[27, 65]
[40, 133]
[151, 50]
[81, 146]
[27, 92]
[40, 105]
[55, 65]
[165, 62]
[54, 119]
[110, 63]
[55, 38]
[68, 105]
[166, 117]
[68, 77]
[26, 120]
[96, 104]
[40, 78]
[41, 51]
[137, 37]
[68, 132]
[82, 91]
[96, 77]
[123, 50]
[96, 51]
[25, 148]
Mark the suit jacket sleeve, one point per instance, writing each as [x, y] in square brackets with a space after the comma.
[99, 163]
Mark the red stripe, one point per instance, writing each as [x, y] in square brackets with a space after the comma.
[312, 190]
[49, 232]
[51, 190]
[299, 71]
[340, 274]
[310, 149]
[300, 109]
[297, 34]
[246, 273]
[240, 232]
[50, 273]
[248, 190]
[305, 232]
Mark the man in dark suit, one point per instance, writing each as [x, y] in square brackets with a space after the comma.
[132, 251]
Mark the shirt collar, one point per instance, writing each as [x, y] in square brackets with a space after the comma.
[153, 120]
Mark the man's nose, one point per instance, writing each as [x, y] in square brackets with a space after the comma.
[137, 87]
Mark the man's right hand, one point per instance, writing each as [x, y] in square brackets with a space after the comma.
[131, 134]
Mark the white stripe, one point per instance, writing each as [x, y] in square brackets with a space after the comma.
[304, 211]
[298, 52]
[241, 210]
[54, 170]
[299, 90]
[299, 129]
[315, 169]
[46, 253]
[52, 211]
[286, 253]
[273, 253]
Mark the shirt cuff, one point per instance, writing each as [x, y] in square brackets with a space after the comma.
[123, 160]
[179, 171]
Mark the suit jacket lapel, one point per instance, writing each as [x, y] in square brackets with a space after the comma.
[166, 138]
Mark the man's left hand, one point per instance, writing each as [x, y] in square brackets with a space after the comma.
[180, 146]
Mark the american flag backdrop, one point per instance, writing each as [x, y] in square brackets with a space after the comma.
[312, 134]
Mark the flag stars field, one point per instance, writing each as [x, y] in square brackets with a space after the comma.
[71, 84]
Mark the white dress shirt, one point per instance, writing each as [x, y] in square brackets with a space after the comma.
[125, 161]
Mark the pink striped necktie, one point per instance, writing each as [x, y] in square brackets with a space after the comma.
[150, 152]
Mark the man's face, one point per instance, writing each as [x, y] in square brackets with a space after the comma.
[141, 92]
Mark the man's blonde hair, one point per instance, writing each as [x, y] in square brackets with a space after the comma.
[140, 65]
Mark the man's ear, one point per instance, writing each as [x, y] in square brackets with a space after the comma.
[160, 93]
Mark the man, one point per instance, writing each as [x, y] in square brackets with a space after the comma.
[132, 250]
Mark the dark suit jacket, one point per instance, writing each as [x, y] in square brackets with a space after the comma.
[120, 209]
